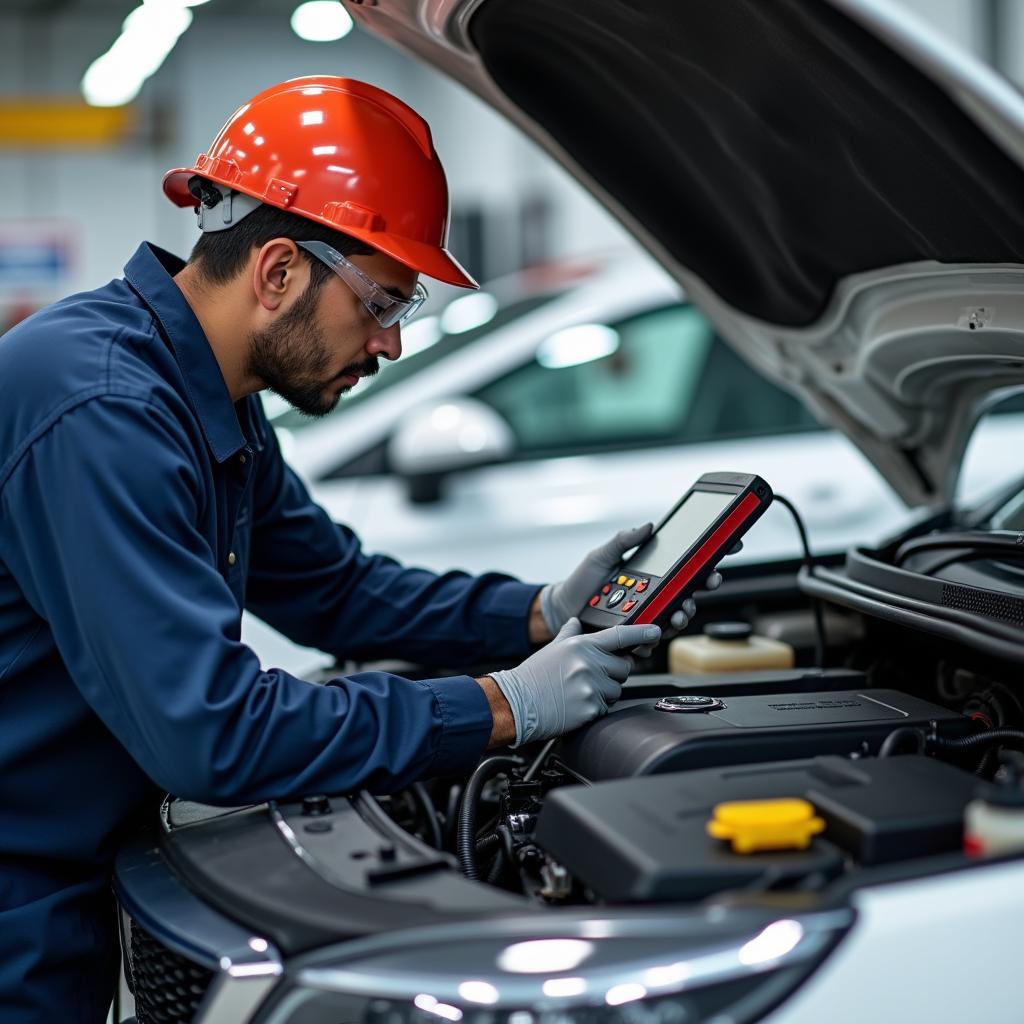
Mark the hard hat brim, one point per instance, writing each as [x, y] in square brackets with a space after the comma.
[431, 260]
[176, 186]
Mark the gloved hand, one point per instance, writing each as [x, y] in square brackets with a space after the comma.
[571, 680]
[560, 601]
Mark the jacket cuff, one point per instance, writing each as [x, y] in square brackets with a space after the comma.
[507, 619]
[466, 724]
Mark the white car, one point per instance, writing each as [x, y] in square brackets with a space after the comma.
[559, 407]
[842, 194]
[527, 423]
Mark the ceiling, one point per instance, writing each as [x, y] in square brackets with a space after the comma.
[108, 8]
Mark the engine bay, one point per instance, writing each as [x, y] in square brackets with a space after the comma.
[879, 767]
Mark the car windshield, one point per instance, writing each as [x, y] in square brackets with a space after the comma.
[425, 341]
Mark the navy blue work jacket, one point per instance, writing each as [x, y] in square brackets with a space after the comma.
[140, 511]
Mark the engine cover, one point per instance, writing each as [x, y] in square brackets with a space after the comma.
[645, 839]
[649, 737]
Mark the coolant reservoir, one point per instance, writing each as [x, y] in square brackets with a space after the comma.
[727, 647]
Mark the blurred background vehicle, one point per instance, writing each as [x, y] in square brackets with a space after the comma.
[533, 419]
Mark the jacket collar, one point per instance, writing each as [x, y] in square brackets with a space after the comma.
[150, 272]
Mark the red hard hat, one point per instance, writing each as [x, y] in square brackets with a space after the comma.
[345, 154]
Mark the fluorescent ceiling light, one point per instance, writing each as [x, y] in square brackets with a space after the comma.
[147, 36]
[321, 21]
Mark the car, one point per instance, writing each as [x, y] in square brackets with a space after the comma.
[590, 392]
[842, 194]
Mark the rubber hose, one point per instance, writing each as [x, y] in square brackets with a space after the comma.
[429, 812]
[506, 854]
[466, 837]
[496, 868]
[488, 843]
[979, 738]
[451, 814]
[897, 736]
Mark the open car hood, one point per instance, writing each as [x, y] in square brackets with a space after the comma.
[838, 188]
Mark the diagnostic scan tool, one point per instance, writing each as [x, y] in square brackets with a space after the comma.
[681, 553]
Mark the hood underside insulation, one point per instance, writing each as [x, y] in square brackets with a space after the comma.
[771, 148]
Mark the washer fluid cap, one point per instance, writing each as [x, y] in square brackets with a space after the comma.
[752, 825]
[728, 630]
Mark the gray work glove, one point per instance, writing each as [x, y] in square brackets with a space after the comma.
[570, 681]
[560, 601]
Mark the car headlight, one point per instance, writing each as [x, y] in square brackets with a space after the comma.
[634, 968]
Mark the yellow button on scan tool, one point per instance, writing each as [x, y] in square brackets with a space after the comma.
[753, 825]
[621, 580]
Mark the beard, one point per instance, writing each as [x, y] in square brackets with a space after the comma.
[293, 359]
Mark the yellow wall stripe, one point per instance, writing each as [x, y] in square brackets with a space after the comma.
[49, 123]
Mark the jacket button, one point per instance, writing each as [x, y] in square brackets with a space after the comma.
[241, 459]
[231, 558]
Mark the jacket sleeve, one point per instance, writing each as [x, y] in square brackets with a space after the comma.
[309, 578]
[100, 532]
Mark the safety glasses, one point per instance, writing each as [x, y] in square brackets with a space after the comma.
[386, 308]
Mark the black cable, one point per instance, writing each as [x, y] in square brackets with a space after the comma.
[808, 561]
[506, 854]
[540, 759]
[466, 836]
[487, 844]
[897, 736]
[451, 815]
[977, 739]
[973, 542]
[429, 812]
[985, 762]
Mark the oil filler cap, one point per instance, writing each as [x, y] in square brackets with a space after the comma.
[689, 703]
[753, 825]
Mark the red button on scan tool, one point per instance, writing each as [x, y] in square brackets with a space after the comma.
[628, 606]
[595, 600]
[641, 586]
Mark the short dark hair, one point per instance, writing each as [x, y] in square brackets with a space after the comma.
[220, 255]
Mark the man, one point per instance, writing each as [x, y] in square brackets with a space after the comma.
[145, 503]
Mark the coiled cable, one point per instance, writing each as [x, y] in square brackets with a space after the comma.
[466, 837]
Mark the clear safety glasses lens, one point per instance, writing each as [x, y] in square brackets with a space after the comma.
[386, 308]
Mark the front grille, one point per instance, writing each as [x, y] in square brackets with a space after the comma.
[168, 988]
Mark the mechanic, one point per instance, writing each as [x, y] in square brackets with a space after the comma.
[145, 503]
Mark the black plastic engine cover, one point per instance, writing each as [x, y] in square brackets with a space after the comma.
[635, 738]
[644, 839]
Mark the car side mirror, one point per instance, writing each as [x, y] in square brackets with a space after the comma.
[446, 437]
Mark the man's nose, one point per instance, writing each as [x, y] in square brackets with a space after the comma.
[387, 342]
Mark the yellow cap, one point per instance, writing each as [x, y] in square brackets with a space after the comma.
[753, 825]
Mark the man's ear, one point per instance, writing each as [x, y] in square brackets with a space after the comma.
[278, 270]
